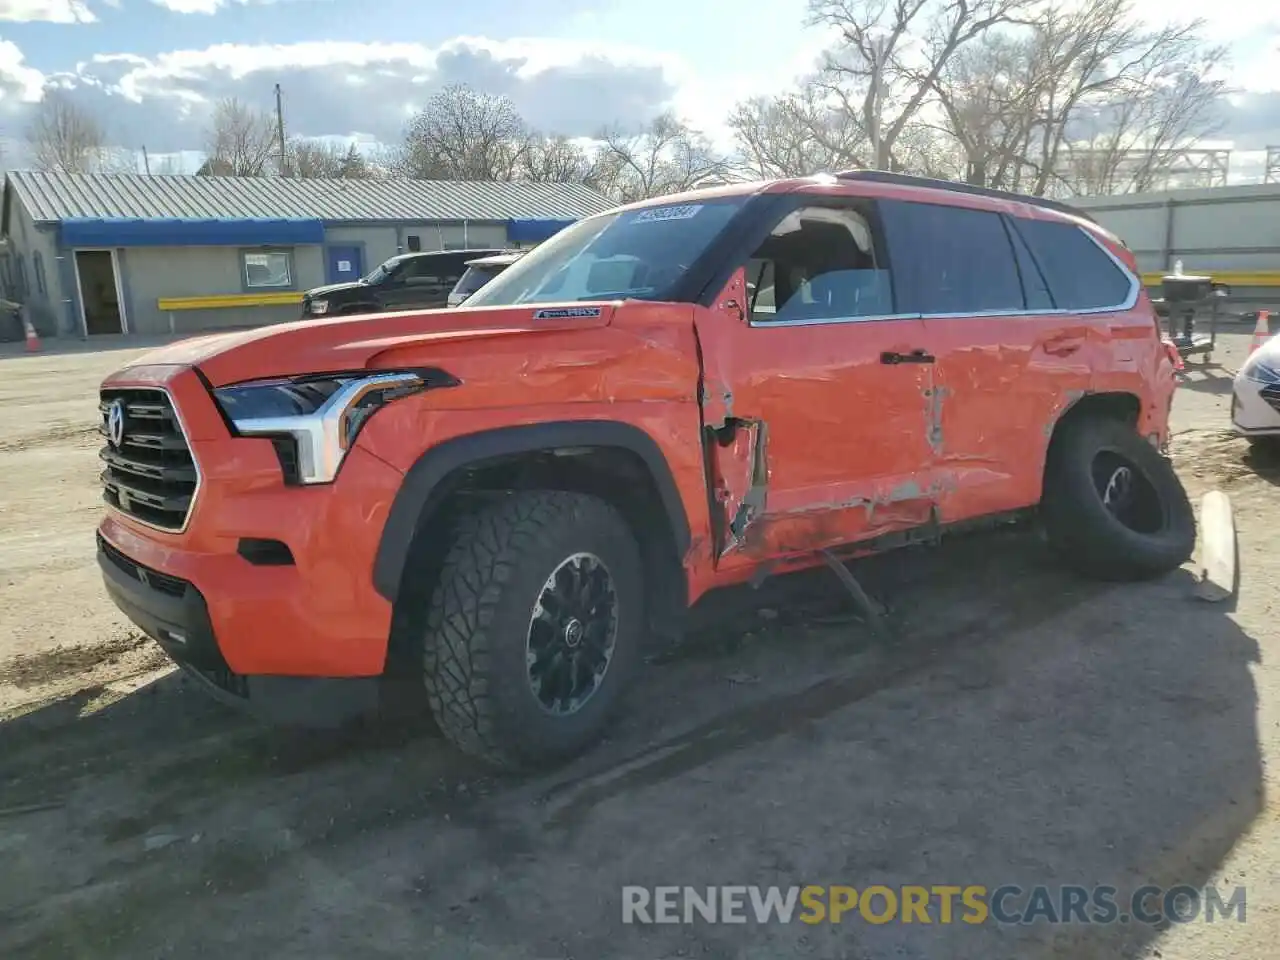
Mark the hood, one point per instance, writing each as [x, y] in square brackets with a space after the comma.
[329, 288]
[365, 342]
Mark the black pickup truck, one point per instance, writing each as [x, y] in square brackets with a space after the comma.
[411, 281]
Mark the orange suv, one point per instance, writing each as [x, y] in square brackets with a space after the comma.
[680, 394]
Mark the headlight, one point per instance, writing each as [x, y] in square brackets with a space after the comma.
[1259, 371]
[319, 306]
[317, 417]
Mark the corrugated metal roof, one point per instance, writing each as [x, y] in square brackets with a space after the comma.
[61, 196]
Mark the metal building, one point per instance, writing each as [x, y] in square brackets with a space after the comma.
[124, 253]
[1231, 233]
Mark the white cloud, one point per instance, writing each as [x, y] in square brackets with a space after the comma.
[47, 11]
[208, 7]
[338, 88]
[19, 83]
[367, 91]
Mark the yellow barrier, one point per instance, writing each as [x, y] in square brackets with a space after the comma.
[1234, 278]
[229, 300]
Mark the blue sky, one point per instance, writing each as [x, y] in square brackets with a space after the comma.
[349, 68]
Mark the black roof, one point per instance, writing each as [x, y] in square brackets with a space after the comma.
[906, 180]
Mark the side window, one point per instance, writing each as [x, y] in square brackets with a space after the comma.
[418, 270]
[1080, 274]
[1034, 286]
[819, 263]
[267, 270]
[961, 260]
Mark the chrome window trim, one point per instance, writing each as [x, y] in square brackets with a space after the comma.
[195, 463]
[1135, 289]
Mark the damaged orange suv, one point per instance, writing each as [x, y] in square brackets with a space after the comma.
[506, 499]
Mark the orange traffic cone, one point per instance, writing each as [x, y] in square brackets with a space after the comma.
[33, 341]
[1261, 331]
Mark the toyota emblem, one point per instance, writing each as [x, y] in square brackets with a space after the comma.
[115, 423]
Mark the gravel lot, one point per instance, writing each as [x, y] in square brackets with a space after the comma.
[1025, 728]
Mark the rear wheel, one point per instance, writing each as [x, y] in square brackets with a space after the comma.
[534, 628]
[1113, 506]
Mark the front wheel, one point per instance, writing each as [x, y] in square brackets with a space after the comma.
[534, 627]
[1113, 506]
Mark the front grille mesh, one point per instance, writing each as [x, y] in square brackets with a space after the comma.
[1271, 394]
[150, 474]
[173, 586]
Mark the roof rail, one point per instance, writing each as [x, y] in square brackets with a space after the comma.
[906, 180]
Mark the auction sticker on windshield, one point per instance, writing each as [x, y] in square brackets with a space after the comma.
[658, 214]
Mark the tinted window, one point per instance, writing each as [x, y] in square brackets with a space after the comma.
[960, 260]
[819, 263]
[431, 269]
[633, 254]
[1034, 287]
[1081, 276]
[475, 278]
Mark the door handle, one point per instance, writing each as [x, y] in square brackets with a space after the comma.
[915, 356]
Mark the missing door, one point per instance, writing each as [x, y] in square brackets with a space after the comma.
[99, 292]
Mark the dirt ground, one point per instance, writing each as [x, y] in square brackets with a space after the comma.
[1025, 727]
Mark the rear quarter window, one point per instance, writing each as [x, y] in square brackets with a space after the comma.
[1080, 274]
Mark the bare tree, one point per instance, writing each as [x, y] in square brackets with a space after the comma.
[463, 134]
[65, 138]
[795, 134]
[1125, 103]
[556, 160]
[989, 98]
[874, 77]
[242, 141]
[667, 157]
[313, 159]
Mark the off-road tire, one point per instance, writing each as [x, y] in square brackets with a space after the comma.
[474, 651]
[1080, 527]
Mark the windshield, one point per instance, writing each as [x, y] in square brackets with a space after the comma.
[381, 271]
[636, 254]
[475, 278]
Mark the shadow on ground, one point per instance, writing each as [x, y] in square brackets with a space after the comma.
[1025, 728]
[1206, 378]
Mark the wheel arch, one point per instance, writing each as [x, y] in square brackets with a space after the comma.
[1110, 404]
[436, 473]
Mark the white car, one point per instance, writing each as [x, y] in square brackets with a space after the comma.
[1255, 403]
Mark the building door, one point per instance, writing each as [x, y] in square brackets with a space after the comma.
[99, 286]
[344, 263]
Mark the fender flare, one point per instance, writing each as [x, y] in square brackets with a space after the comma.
[424, 482]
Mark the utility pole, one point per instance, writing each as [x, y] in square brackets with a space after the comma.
[146, 161]
[280, 129]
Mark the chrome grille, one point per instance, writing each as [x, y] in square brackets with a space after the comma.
[150, 473]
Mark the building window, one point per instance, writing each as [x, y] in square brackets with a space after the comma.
[415, 243]
[267, 269]
[38, 263]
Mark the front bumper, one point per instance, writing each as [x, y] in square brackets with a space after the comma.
[174, 613]
[1251, 413]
